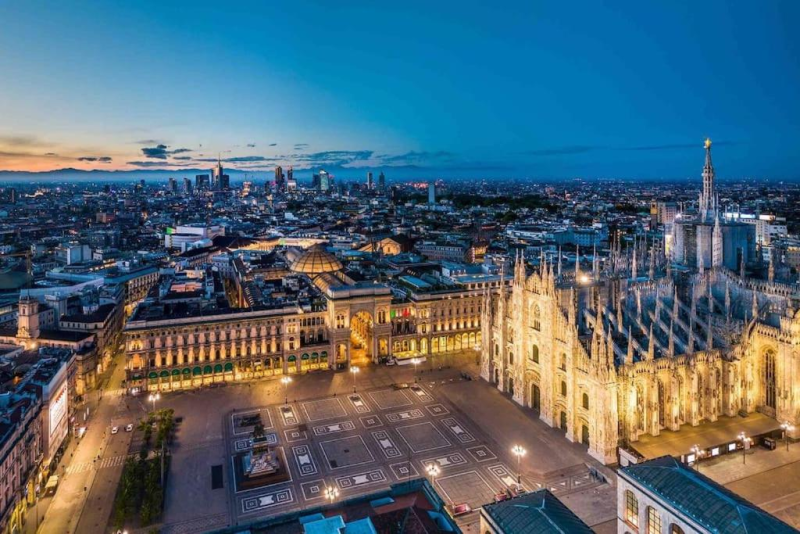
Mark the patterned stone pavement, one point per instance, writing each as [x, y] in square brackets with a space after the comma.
[362, 442]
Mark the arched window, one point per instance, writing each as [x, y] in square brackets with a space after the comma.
[653, 521]
[563, 388]
[535, 354]
[510, 358]
[563, 361]
[586, 401]
[631, 509]
[537, 318]
[769, 379]
[675, 529]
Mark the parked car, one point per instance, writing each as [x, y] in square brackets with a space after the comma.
[129, 428]
[114, 429]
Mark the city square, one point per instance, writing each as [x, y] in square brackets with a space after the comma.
[363, 442]
[385, 268]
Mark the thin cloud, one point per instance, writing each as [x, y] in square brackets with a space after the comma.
[251, 145]
[418, 158]
[156, 164]
[20, 140]
[273, 144]
[161, 151]
[98, 159]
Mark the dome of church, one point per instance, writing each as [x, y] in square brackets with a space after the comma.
[316, 260]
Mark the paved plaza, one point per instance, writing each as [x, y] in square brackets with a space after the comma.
[362, 442]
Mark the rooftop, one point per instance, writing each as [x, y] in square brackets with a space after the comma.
[539, 512]
[701, 499]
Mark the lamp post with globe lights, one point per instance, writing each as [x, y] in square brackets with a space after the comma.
[786, 427]
[433, 472]
[698, 452]
[285, 381]
[745, 445]
[519, 451]
[355, 370]
[331, 493]
[153, 398]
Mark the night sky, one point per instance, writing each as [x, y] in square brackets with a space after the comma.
[490, 89]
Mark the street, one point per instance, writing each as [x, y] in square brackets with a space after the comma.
[91, 468]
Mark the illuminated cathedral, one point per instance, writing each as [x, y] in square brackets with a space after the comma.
[610, 355]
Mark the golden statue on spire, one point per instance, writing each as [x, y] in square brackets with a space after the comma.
[708, 143]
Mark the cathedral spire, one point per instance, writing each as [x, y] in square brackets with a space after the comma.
[716, 244]
[771, 271]
[629, 355]
[671, 340]
[651, 346]
[708, 196]
[559, 261]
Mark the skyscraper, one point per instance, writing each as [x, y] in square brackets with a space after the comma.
[279, 184]
[201, 181]
[291, 183]
[321, 181]
[431, 193]
[381, 182]
[173, 185]
[219, 180]
[370, 184]
[187, 187]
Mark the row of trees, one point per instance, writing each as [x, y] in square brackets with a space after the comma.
[144, 477]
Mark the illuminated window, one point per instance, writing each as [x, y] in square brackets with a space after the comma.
[631, 509]
[535, 354]
[653, 521]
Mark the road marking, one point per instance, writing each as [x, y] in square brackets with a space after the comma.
[104, 463]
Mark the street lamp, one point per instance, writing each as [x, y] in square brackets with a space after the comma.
[786, 427]
[415, 361]
[153, 398]
[433, 471]
[697, 454]
[519, 452]
[745, 443]
[355, 370]
[285, 381]
[331, 493]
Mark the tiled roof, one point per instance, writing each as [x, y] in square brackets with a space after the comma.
[701, 499]
[539, 512]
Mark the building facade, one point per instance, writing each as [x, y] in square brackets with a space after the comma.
[608, 357]
[342, 323]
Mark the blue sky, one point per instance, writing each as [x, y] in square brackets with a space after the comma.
[528, 88]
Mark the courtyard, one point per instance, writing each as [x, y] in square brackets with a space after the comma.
[361, 442]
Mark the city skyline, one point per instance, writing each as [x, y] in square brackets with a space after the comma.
[457, 93]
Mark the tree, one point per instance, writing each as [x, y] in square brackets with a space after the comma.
[258, 431]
